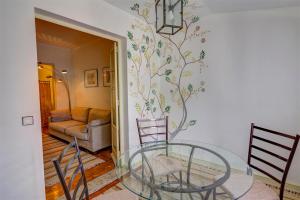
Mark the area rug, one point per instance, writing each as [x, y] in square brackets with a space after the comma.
[99, 183]
[52, 147]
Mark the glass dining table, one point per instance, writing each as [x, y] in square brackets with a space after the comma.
[183, 170]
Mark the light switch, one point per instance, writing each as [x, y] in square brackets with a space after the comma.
[27, 120]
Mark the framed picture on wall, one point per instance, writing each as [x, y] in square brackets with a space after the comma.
[106, 77]
[91, 78]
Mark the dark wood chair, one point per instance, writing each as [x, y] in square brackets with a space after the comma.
[155, 131]
[265, 155]
[62, 167]
[152, 130]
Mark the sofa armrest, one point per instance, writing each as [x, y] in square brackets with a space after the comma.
[98, 122]
[99, 135]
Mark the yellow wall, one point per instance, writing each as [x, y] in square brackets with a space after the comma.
[95, 55]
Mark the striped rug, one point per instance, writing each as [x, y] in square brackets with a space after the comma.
[101, 184]
[52, 147]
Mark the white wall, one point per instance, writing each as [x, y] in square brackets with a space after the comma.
[232, 101]
[95, 55]
[21, 160]
[21, 149]
[253, 76]
[62, 59]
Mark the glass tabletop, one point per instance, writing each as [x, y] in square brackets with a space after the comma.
[184, 170]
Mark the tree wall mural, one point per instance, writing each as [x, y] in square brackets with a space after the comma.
[163, 68]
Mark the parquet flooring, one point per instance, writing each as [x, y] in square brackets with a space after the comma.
[55, 191]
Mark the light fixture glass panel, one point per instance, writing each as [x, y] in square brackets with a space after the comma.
[169, 12]
[177, 14]
[168, 16]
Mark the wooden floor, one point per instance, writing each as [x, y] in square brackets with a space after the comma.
[55, 191]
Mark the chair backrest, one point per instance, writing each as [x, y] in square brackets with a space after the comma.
[152, 130]
[264, 141]
[63, 164]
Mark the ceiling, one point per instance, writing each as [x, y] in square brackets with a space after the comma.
[219, 6]
[244, 5]
[53, 34]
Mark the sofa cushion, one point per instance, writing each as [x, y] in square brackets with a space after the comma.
[99, 114]
[62, 126]
[79, 132]
[60, 115]
[80, 114]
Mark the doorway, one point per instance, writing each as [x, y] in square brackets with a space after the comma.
[66, 41]
[47, 92]
[62, 81]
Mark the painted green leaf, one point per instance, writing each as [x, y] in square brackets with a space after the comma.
[195, 19]
[158, 52]
[154, 109]
[202, 54]
[167, 108]
[129, 54]
[168, 72]
[147, 105]
[185, 2]
[154, 92]
[143, 48]
[159, 44]
[192, 122]
[147, 39]
[190, 87]
[168, 79]
[169, 59]
[152, 101]
[130, 35]
[135, 7]
[134, 46]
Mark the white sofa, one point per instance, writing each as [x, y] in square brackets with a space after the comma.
[91, 126]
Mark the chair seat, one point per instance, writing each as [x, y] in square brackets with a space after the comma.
[118, 195]
[238, 184]
[163, 165]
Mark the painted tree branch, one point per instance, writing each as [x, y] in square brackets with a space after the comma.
[150, 53]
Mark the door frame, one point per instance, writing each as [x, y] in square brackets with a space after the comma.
[122, 65]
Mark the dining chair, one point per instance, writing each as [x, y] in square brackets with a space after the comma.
[264, 156]
[155, 131]
[63, 166]
[152, 130]
[78, 179]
